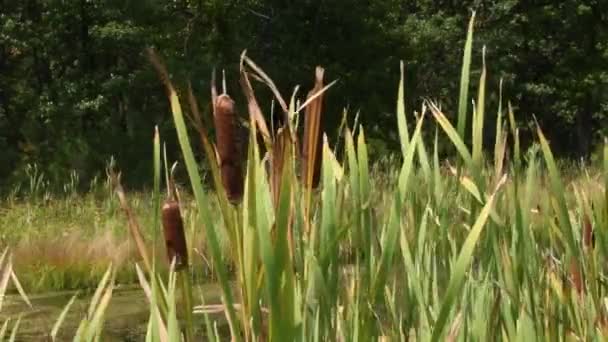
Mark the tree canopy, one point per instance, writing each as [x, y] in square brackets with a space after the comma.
[76, 88]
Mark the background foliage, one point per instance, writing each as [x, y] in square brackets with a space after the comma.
[75, 87]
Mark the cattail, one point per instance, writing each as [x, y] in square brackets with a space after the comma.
[173, 229]
[576, 277]
[313, 138]
[227, 138]
[588, 234]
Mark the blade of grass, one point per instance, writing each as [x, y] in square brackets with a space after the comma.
[401, 118]
[4, 329]
[156, 193]
[500, 141]
[558, 191]
[96, 324]
[479, 118]
[6, 275]
[453, 135]
[464, 80]
[515, 134]
[15, 329]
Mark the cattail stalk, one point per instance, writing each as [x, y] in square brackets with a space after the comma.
[177, 251]
[227, 139]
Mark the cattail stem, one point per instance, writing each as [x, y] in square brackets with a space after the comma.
[186, 289]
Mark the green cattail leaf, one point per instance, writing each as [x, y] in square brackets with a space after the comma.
[470, 186]
[96, 324]
[391, 236]
[353, 175]
[328, 218]
[172, 323]
[364, 185]
[249, 236]
[15, 329]
[437, 179]
[6, 275]
[606, 175]
[156, 193]
[412, 272]
[408, 161]
[464, 80]
[515, 134]
[500, 138]
[558, 192]
[401, 119]
[99, 291]
[453, 135]
[479, 118]
[284, 245]
[364, 208]
[423, 157]
[20, 290]
[4, 329]
[525, 329]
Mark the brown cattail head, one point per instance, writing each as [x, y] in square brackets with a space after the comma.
[312, 146]
[576, 277]
[588, 235]
[173, 228]
[228, 140]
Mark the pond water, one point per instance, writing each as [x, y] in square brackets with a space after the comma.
[126, 317]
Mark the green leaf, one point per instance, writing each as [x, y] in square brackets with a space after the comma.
[464, 80]
[15, 329]
[559, 193]
[479, 118]
[401, 119]
[453, 135]
[61, 317]
[4, 329]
